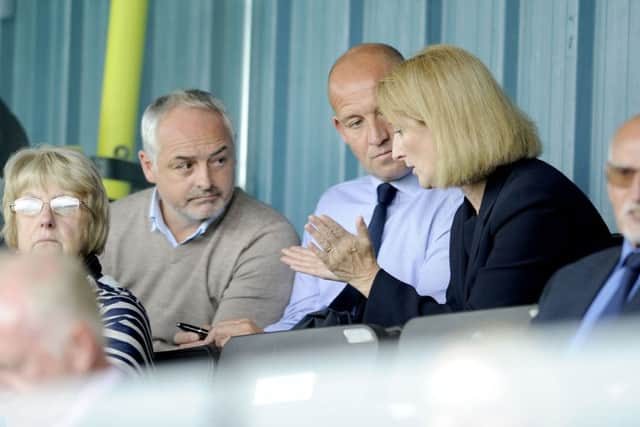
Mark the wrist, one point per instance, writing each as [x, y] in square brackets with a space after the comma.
[365, 282]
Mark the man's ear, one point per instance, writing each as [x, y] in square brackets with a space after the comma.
[340, 128]
[147, 166]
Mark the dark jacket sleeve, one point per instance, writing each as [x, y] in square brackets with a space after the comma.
[12, 135]
[392, 302]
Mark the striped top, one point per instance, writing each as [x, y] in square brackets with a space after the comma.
[127, 333]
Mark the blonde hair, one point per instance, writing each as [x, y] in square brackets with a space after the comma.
[474, 126]
[67, 169]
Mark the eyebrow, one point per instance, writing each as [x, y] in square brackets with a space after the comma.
[349, 117]
[215, 153]
[619, 166]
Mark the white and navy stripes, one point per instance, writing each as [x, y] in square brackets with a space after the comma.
[127, 332]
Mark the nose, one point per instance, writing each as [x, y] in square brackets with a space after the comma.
[397, 151]
[46, 217]
[378, 131]
[203, 176]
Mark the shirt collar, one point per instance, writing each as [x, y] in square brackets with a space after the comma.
[408, 184]
[627, 249]
[158, 224]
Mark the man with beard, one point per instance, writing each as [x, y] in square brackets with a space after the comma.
[604, 285]
[194, 248]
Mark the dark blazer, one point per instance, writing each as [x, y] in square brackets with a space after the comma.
[572, 289]
[12, 135]
[532, 221]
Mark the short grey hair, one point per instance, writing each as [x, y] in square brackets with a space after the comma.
[194, 98]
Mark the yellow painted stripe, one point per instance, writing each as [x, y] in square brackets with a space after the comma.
[121, 85]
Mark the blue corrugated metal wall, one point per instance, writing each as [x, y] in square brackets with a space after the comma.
[571, 64]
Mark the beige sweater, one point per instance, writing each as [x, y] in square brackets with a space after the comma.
[232, 271]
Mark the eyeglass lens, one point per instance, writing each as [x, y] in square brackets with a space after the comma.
[61, 205]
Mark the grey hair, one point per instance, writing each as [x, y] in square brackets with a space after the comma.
[194, 98]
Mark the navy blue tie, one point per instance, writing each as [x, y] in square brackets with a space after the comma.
[386, 193]
[631, 271]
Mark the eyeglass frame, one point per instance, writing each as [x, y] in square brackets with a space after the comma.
[12, 205]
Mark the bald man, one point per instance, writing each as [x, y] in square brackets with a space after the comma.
[603, 285]
[50, 326]
[415, 240]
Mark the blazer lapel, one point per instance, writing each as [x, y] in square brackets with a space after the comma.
[494, 185]
[457, 254]
[593, 279]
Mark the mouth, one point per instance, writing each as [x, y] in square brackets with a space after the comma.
[46, 242]
[206, 198]
[383, 154]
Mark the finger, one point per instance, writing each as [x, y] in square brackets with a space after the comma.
[333, 227]
[316, 268]
[299, 250]
[322, 224]
[235, 327]
[291, 262]
[298, 254]
[193, 344]
[317, 235]
[361, 227]
[302, 257]
[322, 255]
[291, 250]
[185, 337]
[297, 263]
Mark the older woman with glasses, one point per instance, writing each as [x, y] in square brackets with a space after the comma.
[54, 201]
[521, 219]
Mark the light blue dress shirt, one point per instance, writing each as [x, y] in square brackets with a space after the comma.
[158, 224]
[594, 312]
[415, 240]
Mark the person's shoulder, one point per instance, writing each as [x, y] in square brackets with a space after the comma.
[252, 212]
[579, 273]
[347, 191]
[592, 261]
[109, 289]
[538, 172]
[351, 184]
[249, 205]
[533, 180]
[138, 199]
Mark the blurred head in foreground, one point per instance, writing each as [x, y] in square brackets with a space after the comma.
[49, 321]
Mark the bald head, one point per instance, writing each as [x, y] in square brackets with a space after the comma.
[629, 132]
[364, 62]
[352, 94]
